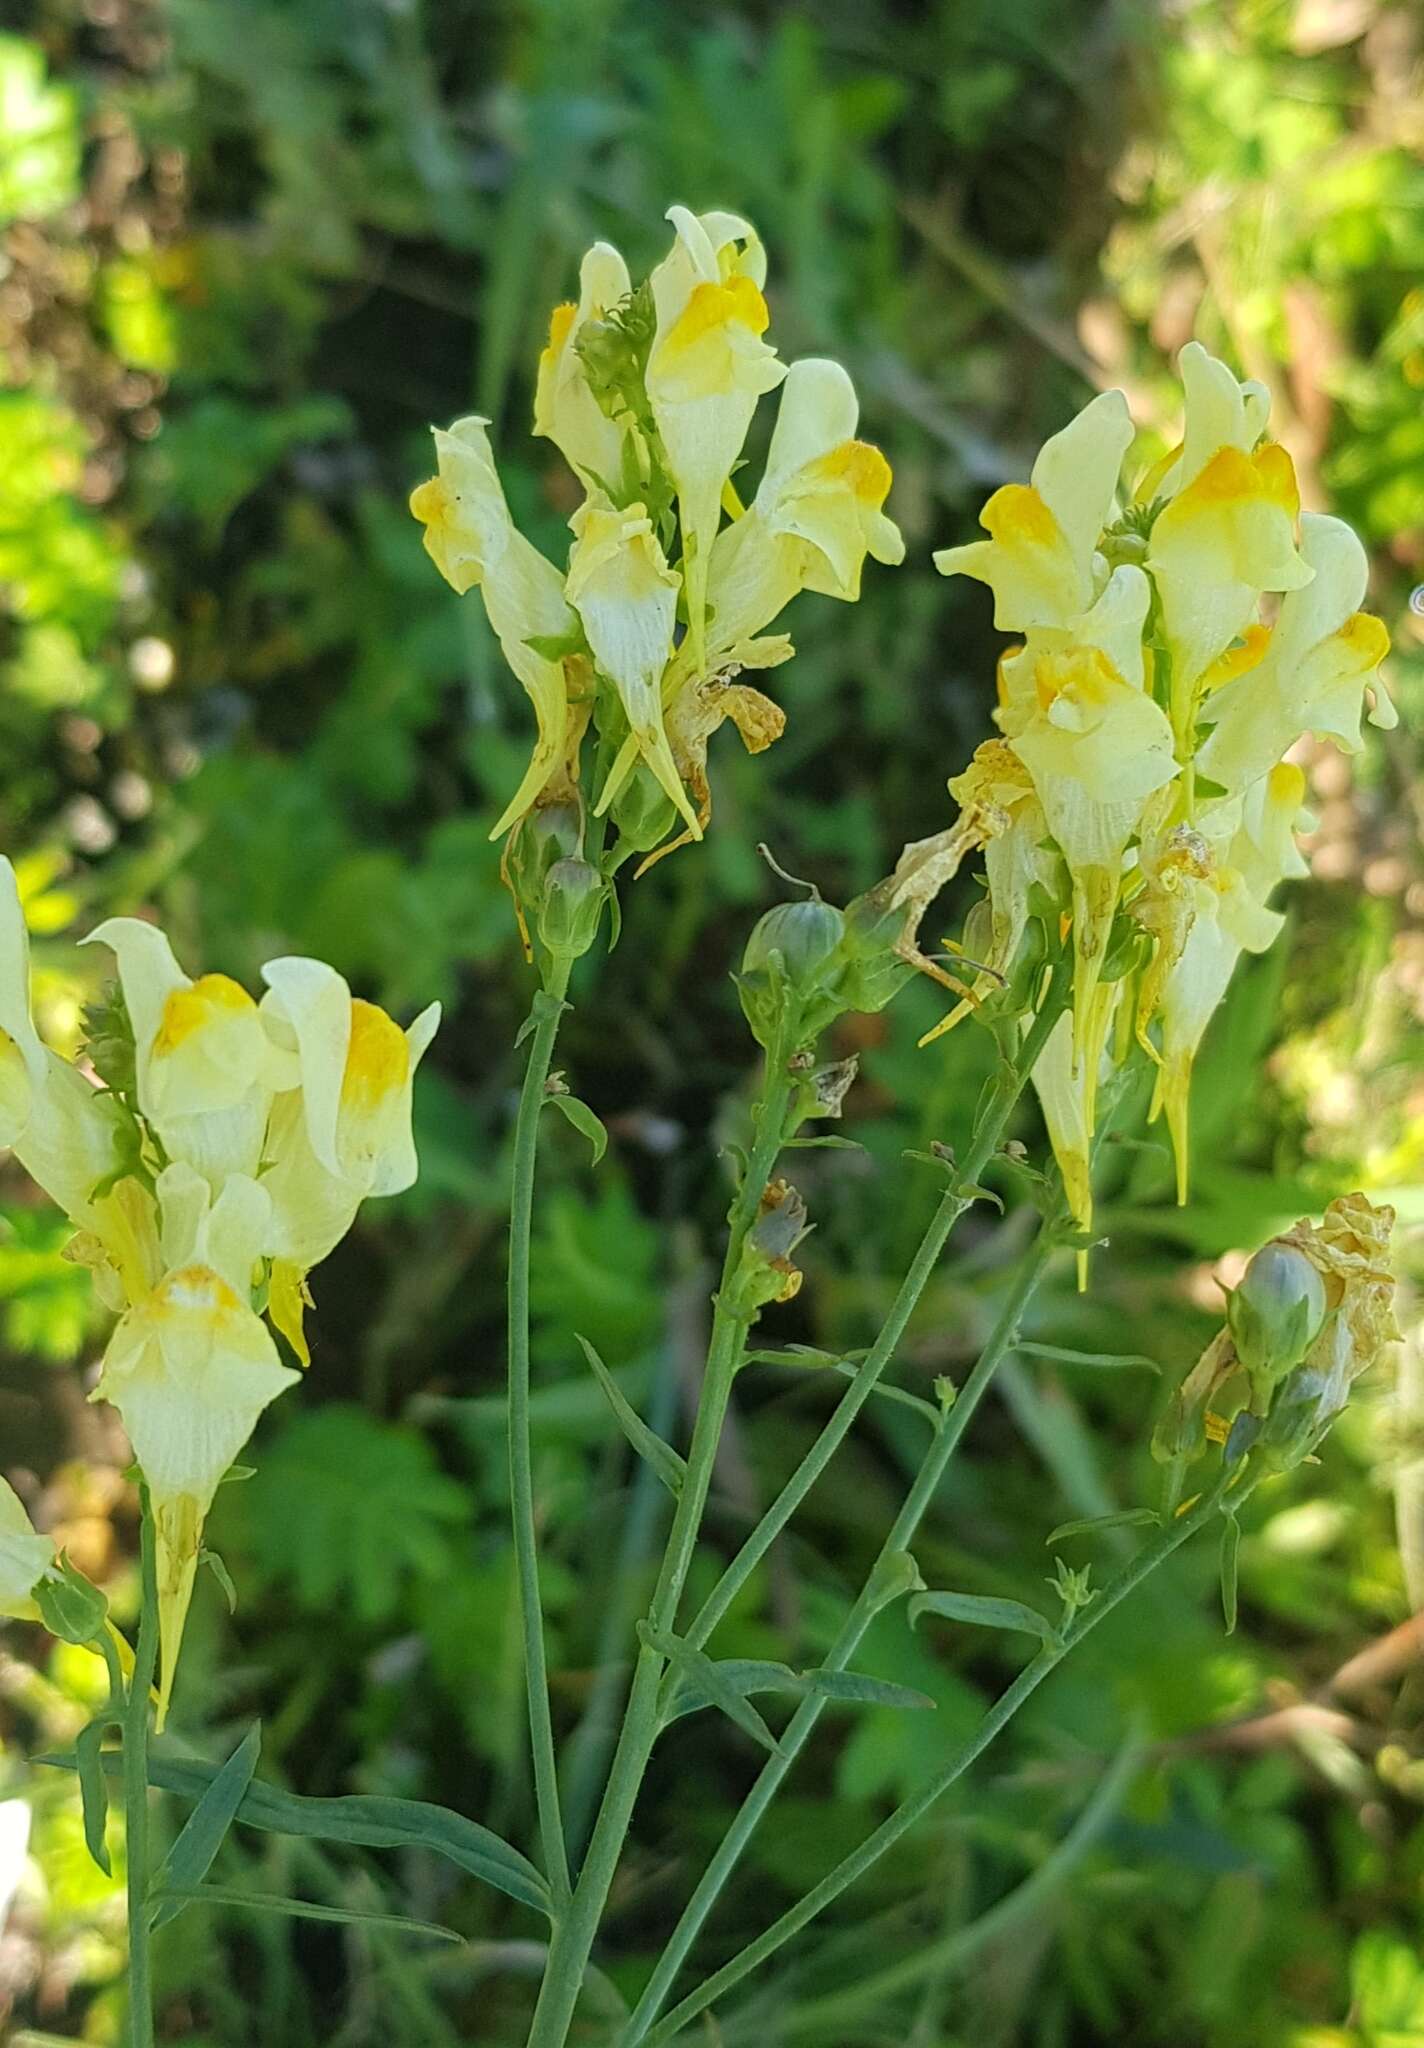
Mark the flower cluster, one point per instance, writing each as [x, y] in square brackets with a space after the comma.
[226, 1154]
[1314, 1310]
[1140, 796]
[671, 581]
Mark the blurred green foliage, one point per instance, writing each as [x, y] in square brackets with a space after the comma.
[248, 253]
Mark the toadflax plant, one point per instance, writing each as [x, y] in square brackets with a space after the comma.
[1135, 813]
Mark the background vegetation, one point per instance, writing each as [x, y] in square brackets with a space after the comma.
[247, 254]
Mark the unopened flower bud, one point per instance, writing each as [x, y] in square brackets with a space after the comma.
[70, 1606]
[1275, 1314]
[573, 899]
[643, 812]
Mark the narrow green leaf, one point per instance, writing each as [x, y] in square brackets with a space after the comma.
[366, 1821]
[223, 1576]
[755, 1675]
[710, 1678]
[983, 1612]
[202, 1834]
[584, 1122]
[855, 1689]
[1230, 1560]
[1108, 1361]
[1094, 1525]
[828, 1143]
[93, 1787]
[297, 1909]
[670, 1468]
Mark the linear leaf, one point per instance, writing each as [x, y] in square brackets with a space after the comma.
[1105, 1361]
[711, 1680]
[93, 1787]
[202, 1834]
[754, 1675]
[670, 1468]
[297, 1909]
[366, 1821]
[1230, 1561]
[983, 1612]
[1093, 1525]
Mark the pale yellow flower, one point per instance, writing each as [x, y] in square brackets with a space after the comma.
[190, 1367]
[707, 368]
[1038, 559]
[1310, 674]
[565, 410]
[474, 543]
[626, 595]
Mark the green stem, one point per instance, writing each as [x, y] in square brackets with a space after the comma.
[798, 1730]
[136, 1849]
[574, 1937]
[987, 1138]
[912, 1810]
[548, 1007]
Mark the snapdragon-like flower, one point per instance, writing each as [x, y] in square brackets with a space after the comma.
[649, 391]
[1151, 705]
[212, 1150]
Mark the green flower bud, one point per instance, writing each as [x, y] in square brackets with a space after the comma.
[875, 971]
[791, 970]
[574, 896]
[643, 813]
[70, 1606]
[1276, 1313]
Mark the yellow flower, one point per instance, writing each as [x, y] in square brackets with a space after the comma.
[707, 368]
[1205, 903]
[1038, 559]
[623, 590]
[25, 1556]
[1312, 672]
[345, 1132]
[1097, 748]
[190, 1367]
[473, 542]
[816, 515]
[1112, 624]
[565, 410]
[205, 1066]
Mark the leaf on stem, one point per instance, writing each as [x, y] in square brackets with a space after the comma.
[584, 1122]
[745, 1675]
[982, 1612]
[93, 1788]
[202, 1834]
[1106, 1361]
[665, 1461]
[711, 1680]
[1097, 1525]
[171, 1902]
[365, 1821]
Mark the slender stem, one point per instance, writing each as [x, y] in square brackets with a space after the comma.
[988, 1135]
[574, 1937]
[912, 1810]
[136, 1849]
[546, 1013]
[798, 1730]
